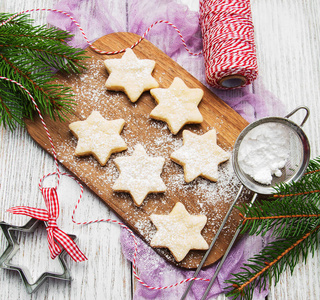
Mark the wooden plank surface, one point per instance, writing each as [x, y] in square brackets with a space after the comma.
[287, 35]
[199, 197]
[288, 45]
[107, 274]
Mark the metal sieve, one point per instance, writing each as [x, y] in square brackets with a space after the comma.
[299, 154]
[298, 149]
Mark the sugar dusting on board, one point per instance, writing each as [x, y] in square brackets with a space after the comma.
[207, 195]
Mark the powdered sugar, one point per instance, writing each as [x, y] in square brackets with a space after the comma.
[139, 174]
[210, 199]
[264, 151]
[130, 75]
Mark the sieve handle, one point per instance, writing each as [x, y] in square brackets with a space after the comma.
[215, 275]
[212, 243]
[298, 108]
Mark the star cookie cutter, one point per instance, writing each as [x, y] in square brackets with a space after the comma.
[13, 247]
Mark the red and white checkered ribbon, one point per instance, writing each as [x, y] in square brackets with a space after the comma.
[50, 195]
[50, 215]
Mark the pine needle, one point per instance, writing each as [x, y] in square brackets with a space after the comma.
[292, 215]
[31, 55]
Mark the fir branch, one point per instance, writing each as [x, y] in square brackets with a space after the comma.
[309, 184]
[51, 98]
[14, 36]
[294, 220]
[10, 111]
[271, 262]
[45, 45]
[286, 217]
[31, 55]
[22, 19]
[296, 205]
[53, 59]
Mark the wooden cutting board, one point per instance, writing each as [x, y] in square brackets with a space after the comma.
[200, 196]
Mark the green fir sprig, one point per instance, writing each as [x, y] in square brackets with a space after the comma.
[31, 55]
[292, 217]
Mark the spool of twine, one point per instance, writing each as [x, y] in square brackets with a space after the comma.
[228, 43]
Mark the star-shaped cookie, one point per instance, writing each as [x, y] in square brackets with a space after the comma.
[98, 136]
[179, 231]
[139, 175]
[200, 155]
[130, 75]
[177, 105]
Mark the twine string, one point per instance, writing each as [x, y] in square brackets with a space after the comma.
[51, 200]
[228, 42]
[97, 49]
[54, 153]
[58, 173]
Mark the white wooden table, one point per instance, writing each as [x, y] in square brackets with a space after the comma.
[288, 48]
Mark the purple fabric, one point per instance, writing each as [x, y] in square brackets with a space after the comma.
[252, 102]
[156, 271]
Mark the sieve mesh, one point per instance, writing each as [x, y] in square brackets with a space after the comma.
[298, 149]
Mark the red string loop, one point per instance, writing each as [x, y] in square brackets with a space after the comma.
[51, 214]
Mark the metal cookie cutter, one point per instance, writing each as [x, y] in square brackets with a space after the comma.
[293, 170]
[13, 247]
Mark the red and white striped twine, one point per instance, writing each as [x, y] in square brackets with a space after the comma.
[54, 233]
[228, 43]
[135, 248]
[44, 125]
[58, 173]
[228, 48]
[90, 44]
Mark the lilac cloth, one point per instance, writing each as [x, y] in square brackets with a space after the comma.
[156, 271]
[139, 15]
